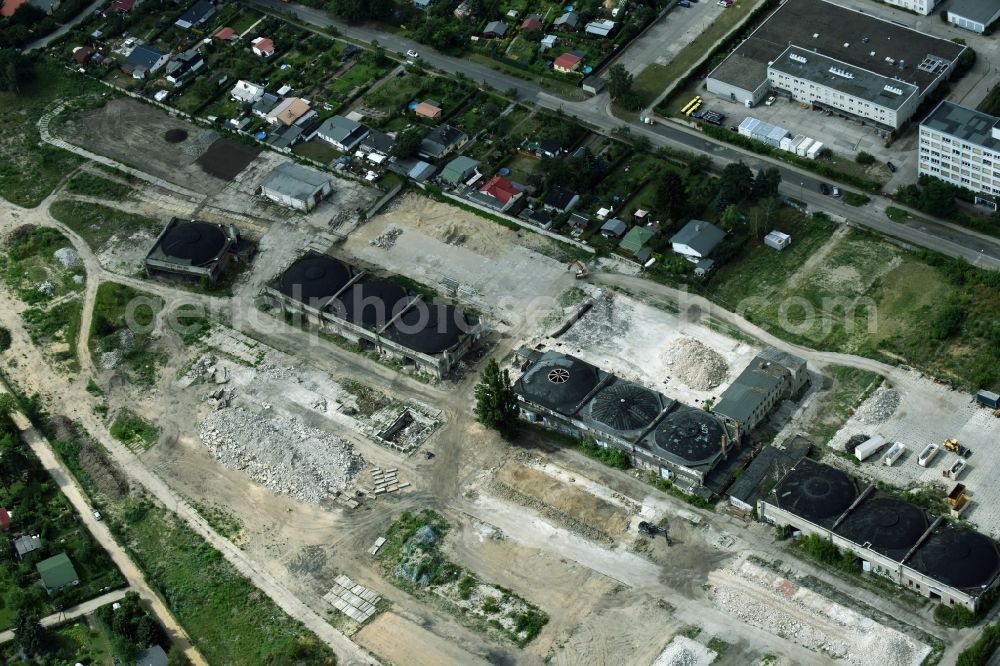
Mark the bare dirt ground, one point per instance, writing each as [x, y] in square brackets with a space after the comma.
[400, 641]
[133, 133]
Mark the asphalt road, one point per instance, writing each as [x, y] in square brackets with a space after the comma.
[951, 240]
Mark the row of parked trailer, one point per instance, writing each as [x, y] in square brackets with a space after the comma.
[779, 137]
[876, 443]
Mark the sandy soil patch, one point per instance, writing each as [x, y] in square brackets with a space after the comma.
[400, 641]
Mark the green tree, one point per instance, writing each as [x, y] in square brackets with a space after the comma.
[671, 197]
[496, 403]
[408, 142]
[736, 183]
[730, 218]
[177, 658]
[766, 183]
[937, 197]
[619, 81]
[16, 70]
[864, 158]
[29, 633]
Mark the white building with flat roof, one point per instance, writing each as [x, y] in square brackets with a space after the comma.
[961, 146]
[924, 7]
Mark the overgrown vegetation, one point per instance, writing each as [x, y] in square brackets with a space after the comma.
[412, 557]
[92, 185]
[979, 653]
[120, 332]
[134, 431]
[96, 223]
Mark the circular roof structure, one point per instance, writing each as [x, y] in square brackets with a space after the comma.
[314, 277]
[960, 558]
[429, 328]
[886, 523]
[816, 491]
[559, 382]
[199, 243]
[370, 303]
[624, 406]
[691, 434]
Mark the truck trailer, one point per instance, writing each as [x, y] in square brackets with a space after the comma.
[869, 447]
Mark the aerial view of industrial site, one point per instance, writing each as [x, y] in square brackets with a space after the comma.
[511, 332]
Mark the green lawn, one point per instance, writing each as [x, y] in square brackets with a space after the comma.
[318, 150]
[31, 169]
[96, 224]
[89, 184]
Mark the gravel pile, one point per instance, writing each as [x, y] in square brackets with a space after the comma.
[111, 359]
[879, 407]
[697, 366]
[46, 288]
[387, 238]
[682, 651]
[66, 256]
[282, 454]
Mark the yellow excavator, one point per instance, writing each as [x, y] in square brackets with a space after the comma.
[581, 269]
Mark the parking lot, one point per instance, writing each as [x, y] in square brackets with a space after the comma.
[930, 412]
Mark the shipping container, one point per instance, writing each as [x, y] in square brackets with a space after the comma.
[869, 447]
[892, 455]
[927, 455]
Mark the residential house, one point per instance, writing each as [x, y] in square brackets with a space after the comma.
[246, 92]
[226, 34]
[442, 141]
[634, 243]
[265, 104]
[263, 47]
[428, 109]
[152, 656]
[82, 54]
[27, 544]
[342, 133]
[47, 6]
[421, 171]
[285, 136]
[196, 15]
[378, 142]
[495, 30]
[695, 243]
[57, 572]
[144, 60]
[459, 170]
[547, 42]
[579, 220]
[122, 6]
[423, 5]
[566, 22]
[567, 63]
[601, 28]
[539, 217]
[613, 228]
[8, 7]
[532, 24]
[560, 200]
[183, 65]
[499, 193]
[289, 111]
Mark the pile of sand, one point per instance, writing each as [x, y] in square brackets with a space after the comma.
[697, 366]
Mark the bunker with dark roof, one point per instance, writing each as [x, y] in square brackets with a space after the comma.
[194, 250]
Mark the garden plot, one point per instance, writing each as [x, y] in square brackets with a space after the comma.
[768, 601]
[685, 359]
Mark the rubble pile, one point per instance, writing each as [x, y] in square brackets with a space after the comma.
[46, 288]
[879, 407]
[697, 366]
[682, 651]
[110, 359]
[387, 238]
[282, 454]
[66, 256]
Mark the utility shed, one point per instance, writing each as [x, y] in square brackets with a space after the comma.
[777, 240]
[989, 399]
[57, 572]
[296, 186]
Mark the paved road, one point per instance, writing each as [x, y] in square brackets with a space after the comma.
[68, 486]
[949, 240]
[42, 42]
[86, 608]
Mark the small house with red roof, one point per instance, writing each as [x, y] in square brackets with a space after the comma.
[428, 109]
[226, 34]
[122, 6]
[8, 7]
[4, 518]
[83, 54]
[567, 63]
[263, 47]
[532, 24]
[500, 193]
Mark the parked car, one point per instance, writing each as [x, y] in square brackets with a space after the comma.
[836, 191]
[412, 55]
[683, 3]
[770, 100]
[892, 167]
[97, 515]
[824, 188]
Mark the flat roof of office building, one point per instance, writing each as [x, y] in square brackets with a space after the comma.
[846, 35]
[854, 81]
[963, 123]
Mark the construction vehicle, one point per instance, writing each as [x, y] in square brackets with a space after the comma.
[955, 470]
[581, 269]
[958, 500]
[953, 446]
[651, 530]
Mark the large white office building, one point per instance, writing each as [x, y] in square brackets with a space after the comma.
[962, 146]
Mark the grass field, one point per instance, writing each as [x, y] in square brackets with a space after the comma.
[31, 169]
[121, 325]
[851, 387]
[230, 620]
[134, 431]
[96, 223]
[76, 642]
[89, 184]
[318, 150]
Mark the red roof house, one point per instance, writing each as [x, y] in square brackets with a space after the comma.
[8, 7]
[4, 518]
[82, 54]
[502, 190]
[531, 24]
[226, 34]
[567, 62]
[123, 6]
[263, 47]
